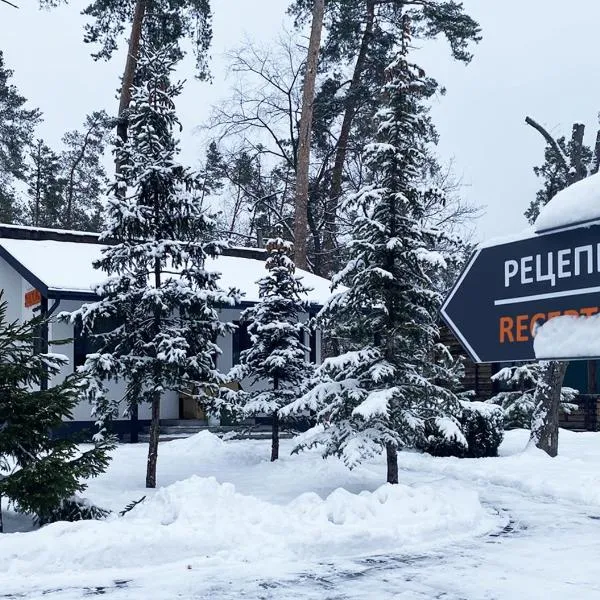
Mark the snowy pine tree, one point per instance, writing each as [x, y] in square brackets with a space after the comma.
[517, 399]
[45, 187]
[565, 164]
[17, 124]
[84, 174]
[381, 392]
[278, 353]
[39, 473]
[162, 301]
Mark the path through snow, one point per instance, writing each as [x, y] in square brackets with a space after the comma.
[550, 549]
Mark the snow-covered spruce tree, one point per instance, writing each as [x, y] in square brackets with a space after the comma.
[162, 301]
[517, 400]
[277, 355]
[39, 473]
[380, 393]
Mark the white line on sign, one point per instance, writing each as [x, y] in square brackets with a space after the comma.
[590, 290]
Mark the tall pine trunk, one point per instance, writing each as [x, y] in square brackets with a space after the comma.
[304, 138]
[391, 453]
[544, 423]
[153, 444]
[38, 187]
[133, 51]
[337, 173]
[275, 437]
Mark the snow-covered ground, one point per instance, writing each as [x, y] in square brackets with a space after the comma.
[227, 523]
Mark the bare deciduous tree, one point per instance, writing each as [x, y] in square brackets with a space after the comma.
[260, 121]
[263, 109]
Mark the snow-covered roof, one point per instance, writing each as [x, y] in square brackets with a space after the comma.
[578, 203]
[66, 266]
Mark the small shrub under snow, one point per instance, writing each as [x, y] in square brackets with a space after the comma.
[477, 433]
[517, 401]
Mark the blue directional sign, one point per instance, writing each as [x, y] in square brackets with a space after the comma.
[508, 290]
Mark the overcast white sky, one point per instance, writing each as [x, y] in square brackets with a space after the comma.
[537, 57]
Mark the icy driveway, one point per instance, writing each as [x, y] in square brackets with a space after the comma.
[551, 548]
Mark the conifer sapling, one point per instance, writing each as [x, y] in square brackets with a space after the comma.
[276, 361]
[40, 473]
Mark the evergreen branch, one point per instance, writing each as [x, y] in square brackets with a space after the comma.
[131, 506]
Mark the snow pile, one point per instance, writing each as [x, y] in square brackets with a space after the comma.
[200, 519]
[571, 476]
[568, 336]
[289, 522]
[203, 443]
[577, 203]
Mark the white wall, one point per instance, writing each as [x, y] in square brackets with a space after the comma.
[60, 330]
[15, 287]
[12, 284]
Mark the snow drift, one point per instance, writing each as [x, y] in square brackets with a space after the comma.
[577, 203]
[199, 518]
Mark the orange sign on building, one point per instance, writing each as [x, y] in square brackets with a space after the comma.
[32, 298]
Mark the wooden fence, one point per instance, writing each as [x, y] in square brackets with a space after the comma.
[586, 417]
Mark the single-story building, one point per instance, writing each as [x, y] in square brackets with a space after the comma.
[50, 271]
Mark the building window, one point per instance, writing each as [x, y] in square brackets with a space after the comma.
[85, 343]
[313, 346]
[241, 341]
